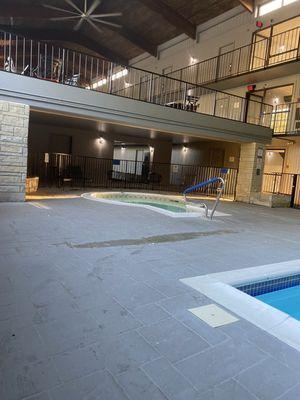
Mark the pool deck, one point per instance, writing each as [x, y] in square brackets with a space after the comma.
[92, 306]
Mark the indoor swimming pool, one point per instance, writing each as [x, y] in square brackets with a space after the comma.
[282, 293]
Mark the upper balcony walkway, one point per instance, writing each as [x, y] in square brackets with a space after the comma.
[265, 58]
[111, 94]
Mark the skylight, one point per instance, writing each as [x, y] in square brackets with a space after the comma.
[273, 5]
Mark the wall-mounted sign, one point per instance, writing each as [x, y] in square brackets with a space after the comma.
[175, 168]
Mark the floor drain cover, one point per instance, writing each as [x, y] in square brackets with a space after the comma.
[213, 315]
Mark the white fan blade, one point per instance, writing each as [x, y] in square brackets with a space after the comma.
[107, 23]
[64, 18]
[85, 6]
[59, 9]
[95, 26]
[70, 2]
[93, 7]
[78, 25]
[106, 15]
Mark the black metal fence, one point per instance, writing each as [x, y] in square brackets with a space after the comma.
[282, 183]
[62, 170]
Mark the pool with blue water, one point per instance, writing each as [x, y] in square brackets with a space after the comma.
[286, 300]
[282, 293]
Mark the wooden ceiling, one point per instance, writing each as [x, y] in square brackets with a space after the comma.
[145, 23]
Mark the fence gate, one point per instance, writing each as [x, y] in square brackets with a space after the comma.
[283, 183]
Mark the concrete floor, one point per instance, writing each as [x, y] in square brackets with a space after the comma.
[85, 316]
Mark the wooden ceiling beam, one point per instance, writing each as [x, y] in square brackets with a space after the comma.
[248, 4]
[172, 16]
[42, 13]
[136, 39]
[66, 36]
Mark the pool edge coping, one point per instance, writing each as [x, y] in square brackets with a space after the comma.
[219, 287]
[172, 214]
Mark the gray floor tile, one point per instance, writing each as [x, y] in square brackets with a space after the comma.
[114, 319]
[138, 386]
[79, 362]
[169, 380]
[210, 335]
[99, 385]
[292, 394]
[179, 305]
[128, 351]
[73, 331]
[229, 390]
[134, 294]
[150, 314]
[269, 379]
[173, 340]
[222, 362]
[24, 379]
[40, 396]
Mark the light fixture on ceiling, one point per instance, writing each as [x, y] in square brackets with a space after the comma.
[123, 147]
[101, 139]
[151, 149]
[86, 14]
[184, 148]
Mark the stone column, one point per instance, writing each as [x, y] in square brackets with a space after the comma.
[250, 175]
[162, 161]
[14, 119]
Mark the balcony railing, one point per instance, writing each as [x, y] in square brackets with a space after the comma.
[42, 60]
[264, 53]
[285, 119]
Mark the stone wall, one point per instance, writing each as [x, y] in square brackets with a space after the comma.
[14, 119]
[250, 175]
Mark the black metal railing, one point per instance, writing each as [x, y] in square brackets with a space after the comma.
[283, 183]
[42, 60]
[263, 53]
[79, 171]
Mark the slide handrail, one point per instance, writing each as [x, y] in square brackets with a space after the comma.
[200, 185]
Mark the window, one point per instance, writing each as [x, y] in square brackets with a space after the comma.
[273, 5]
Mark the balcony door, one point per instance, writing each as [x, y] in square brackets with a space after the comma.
[254, 108]
[260, 48]
[225, 61]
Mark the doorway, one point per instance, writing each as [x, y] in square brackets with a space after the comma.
[225, 61]
[280, 97]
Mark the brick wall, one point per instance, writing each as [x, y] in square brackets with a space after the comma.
[14, 119]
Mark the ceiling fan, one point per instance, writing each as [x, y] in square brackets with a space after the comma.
[86, 14]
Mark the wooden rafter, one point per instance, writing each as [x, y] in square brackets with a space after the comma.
[41, 13]
[172, 16]
[248, 4]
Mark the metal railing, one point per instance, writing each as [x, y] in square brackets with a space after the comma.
[42, 60]
[286, 119]
[81, 171]
[264, 53]
[283, 183]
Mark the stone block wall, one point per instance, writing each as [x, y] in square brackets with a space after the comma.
[250, 175]
[14, 120]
